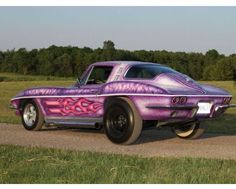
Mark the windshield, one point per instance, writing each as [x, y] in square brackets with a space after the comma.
[145, 71]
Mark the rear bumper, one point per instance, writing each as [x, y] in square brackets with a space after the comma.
[163, 109]
[174, 113]
[187, 112]
[220, 109]
[225, 106]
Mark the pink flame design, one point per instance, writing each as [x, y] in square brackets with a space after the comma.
[69, 106]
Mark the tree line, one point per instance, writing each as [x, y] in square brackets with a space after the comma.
[72, 61]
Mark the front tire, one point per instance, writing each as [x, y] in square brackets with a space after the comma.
[189, 131]
[122, 122]
[32, 117]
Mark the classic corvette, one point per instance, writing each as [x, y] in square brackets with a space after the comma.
[123, 97]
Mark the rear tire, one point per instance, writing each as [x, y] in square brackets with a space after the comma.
[122, 122]
[32, 117]
[189, 131]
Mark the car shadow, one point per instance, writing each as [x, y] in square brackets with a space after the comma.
[155, 134]
[72, 129]
[213, 135]
[160, 134]
[147, 135]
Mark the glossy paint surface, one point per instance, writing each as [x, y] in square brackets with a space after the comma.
[84, 107]
[88, 100]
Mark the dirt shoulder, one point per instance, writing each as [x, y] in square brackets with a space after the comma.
[154, 142]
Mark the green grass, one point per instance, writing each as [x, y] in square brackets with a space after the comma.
[19, 77]
[10, 89]
[225, 124]
[38, 165]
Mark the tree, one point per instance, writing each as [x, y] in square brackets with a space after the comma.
[72, 61]
[212, 54]
[108, 45]
[225, 69]
[210, 73]
[21, 61]
[195, 70]
[143, 55]
[108, 50]
[62, 66]
[1, 60]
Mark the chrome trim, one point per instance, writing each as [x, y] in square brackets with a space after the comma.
[29, 115]
[74, 118]
[73, 121]
[105, 95]
[225, 106]
[176, 107]
[92, 125]
[89, 73]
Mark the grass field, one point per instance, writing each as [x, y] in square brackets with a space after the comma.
[225, 124]
[18, 77]
[10, 89]
[38, 165]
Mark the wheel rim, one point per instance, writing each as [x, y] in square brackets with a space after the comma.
[186, 130]
[117, 123]
[29, 115]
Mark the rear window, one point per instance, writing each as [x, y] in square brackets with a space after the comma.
[147, 71]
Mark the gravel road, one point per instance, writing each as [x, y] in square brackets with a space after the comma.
[153, 142]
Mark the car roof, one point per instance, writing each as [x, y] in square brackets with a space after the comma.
[123, 62]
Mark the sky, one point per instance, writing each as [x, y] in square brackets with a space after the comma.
[189, 29]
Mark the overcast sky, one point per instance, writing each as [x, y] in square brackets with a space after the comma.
[191, 29]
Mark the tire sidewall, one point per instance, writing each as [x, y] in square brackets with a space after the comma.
[197, 131]
[130, 115]
[37, 116]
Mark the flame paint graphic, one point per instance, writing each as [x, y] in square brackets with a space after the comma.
[69, 106]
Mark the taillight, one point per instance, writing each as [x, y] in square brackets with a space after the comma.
[175, 100]
[226, 100]
[179, 100]
[183, 100]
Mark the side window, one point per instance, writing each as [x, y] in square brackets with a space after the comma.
[99, 75]
[83, 79]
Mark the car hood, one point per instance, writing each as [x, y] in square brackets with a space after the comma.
[180, 84]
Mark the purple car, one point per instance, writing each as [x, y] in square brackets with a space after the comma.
[124, 97]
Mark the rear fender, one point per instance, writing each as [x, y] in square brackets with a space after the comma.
[126, 98]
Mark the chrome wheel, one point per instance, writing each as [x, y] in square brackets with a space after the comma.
[185, 130]
[189, 131]
[29, 115]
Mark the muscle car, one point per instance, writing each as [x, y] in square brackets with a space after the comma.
[123, 97]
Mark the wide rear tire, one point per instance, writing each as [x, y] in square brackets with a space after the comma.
[32, 117]
[189, 131]
[122, 122]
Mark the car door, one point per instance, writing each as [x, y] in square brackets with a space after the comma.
[90, 87]
[82, 100]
